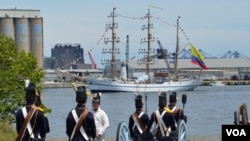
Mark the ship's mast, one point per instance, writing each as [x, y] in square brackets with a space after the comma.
[177, 49]
[114, 40]
[149, 39]
[127, 54]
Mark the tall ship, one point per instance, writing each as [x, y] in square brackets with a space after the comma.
[171, 81]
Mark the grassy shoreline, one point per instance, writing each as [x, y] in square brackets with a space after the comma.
[8, 133]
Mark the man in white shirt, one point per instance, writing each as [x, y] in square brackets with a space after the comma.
[100, 116]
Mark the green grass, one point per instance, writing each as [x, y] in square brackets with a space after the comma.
[7, 132]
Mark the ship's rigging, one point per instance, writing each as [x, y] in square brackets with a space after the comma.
[148, 59]
[144, 83]
[114, 40]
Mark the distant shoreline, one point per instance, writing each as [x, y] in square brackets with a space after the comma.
[48, 85]
[52, 84]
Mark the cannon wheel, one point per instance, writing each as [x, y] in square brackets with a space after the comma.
[181, 131]
[122, 133]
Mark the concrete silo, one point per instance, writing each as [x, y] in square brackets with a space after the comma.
[36, 38]
[25, 26]
[22, 37]
[7, 27]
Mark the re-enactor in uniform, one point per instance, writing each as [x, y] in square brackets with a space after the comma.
[162, 122]
[138, 120]
[36, 126]
[87, 130]
[177, 112]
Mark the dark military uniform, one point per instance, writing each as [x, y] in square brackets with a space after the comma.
[37, 122]
[135, 133]
[166, 117]
[40, 125]
[177, 112]
[89, 122]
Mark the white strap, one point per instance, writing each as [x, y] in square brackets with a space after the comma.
[161, 123]
[28, 124]
[81, 129]
[140, 114]
[173, 108]
[136, 122]
[168, 129]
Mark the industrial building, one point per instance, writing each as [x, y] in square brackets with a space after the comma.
[220, 68]
[238, 68]
[25, 26]
[231, 64]
[66, 56]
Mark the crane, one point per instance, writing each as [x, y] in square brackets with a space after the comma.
[166, 59]
[92, 61]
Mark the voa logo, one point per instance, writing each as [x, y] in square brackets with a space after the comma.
[236, 132]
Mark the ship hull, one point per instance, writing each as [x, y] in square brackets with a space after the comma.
[96, 85]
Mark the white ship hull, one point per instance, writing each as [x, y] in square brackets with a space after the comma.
[96, 85]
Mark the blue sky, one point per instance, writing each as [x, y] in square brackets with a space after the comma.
[211, 25]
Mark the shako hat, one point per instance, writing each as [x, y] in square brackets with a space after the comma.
[138, 101]
[172, 97]
[31, 92]
[162, 99]
[81, 95]
[97, 97]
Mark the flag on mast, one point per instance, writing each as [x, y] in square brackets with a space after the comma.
[197, 58]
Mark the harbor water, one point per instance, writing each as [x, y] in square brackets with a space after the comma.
[207, 108]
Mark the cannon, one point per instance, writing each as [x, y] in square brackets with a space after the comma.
[123, 133]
